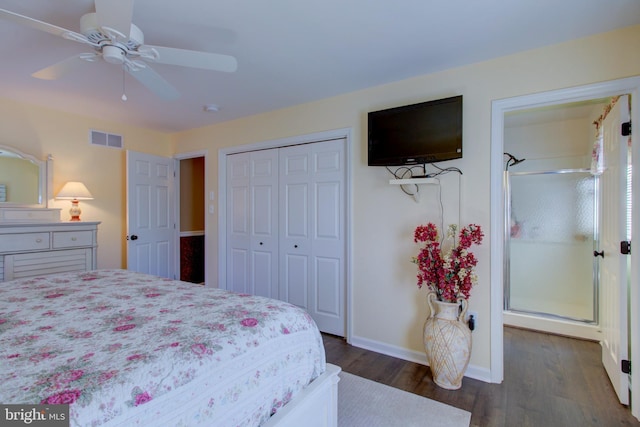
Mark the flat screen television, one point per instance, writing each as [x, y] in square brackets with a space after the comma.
[421, 133]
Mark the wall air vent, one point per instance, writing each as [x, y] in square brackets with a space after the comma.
[105, 139]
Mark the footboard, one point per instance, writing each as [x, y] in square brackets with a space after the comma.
[316, 406]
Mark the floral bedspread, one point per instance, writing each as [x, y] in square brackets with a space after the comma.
[125, 348]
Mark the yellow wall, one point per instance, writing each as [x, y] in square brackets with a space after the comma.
[387, 307]
[40, 132]
[192, 194]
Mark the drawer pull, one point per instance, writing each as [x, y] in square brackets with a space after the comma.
[38, 240]
[73, 239]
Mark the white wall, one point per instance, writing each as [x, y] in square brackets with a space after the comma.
[388, 310]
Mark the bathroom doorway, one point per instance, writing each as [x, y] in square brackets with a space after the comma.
[551, 206]
[501, 109]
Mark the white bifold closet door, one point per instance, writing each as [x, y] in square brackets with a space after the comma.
[286, 227]
[252, 223]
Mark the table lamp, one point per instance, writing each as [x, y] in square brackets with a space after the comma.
[74, 191]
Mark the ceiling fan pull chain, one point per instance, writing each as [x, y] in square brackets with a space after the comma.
[124, 96]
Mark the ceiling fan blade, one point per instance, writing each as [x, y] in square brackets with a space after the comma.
[43, 26]
[154, 82]
[194, 59]
[63, 67]
[115, 14]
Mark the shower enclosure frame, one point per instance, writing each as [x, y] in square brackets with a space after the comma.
[507, 247]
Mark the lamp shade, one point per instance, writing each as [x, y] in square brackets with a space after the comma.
[74, 190]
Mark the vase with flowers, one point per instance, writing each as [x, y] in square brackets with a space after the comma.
[446, 268]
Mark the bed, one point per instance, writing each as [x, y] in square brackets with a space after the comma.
[124, 349]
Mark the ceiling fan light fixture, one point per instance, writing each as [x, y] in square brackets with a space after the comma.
[113, 54]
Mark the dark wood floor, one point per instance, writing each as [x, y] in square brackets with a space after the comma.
[548, 381]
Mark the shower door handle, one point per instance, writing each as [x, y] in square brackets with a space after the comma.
[596, 253]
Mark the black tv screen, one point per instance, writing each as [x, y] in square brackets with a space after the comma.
[421, 133]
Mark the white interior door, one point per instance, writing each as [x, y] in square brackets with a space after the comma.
[613, 267]
[252, 227]
[151, 231]
[312, 224]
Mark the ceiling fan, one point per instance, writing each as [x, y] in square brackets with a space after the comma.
[117, 40]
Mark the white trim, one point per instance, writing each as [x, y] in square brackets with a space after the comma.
[348, 189]
[176, 215]
[475, 372]
[276, 143]
[629, 85]
[497, 243]
[49, 190]
[634, 295]
[284, 142]
[191, 155]
[193, 233]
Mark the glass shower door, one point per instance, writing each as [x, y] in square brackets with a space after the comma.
[550, 244]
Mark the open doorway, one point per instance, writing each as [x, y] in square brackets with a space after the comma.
[192, 219]
[551, 212]
[499, 109]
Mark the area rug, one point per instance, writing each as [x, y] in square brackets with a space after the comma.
[366, 403]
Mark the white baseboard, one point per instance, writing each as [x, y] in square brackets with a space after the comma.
[475, 372]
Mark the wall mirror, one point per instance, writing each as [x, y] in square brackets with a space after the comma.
[23, 179]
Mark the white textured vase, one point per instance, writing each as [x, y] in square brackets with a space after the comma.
[447, 341]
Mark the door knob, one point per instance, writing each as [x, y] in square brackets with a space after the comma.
[596, 253]
[134, 237]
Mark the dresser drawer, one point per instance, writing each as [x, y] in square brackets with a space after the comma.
[29, 264]
[24, 242]
[70, 239]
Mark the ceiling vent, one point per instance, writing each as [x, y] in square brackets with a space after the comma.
[105, 139]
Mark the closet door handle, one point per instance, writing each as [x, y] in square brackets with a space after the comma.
[295, 246]
[597, 254]
[260, 243]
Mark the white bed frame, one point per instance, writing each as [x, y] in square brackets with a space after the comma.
[315, 406]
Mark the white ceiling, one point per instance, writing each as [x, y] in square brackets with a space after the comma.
[288, 51]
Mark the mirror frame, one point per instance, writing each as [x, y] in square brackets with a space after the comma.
[43, 167]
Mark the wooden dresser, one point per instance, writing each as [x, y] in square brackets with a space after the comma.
[34, 249]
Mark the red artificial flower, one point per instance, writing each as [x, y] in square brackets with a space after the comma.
[447, 271]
